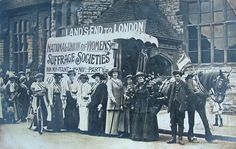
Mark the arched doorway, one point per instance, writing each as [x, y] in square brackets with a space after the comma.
[159, 65]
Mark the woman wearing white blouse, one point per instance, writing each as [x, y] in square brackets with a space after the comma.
[83, 100]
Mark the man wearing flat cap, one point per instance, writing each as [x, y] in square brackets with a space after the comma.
[24, 97]
[178, 99]
[12, 89]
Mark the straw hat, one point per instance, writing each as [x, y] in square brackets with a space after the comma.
[113, 70]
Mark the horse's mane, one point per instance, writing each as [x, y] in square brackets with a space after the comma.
[207, 79]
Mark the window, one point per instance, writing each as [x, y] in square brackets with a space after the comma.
[205, 11]
[205, 44]
[218, 10]
[20, 44]
[193, 43]
[193, 12]
[213, 22]
[231, 38]
[231, 9]
[218, 43]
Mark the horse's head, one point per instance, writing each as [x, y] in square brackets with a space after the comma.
[221, 84]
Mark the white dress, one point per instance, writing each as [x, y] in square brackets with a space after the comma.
[83, 100]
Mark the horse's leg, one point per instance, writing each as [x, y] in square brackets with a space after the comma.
[191, 115]
[202, 113]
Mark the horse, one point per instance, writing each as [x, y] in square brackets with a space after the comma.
[208, 84]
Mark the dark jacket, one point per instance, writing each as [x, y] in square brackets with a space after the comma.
[181, 96]
[99, 96]
[142, 100]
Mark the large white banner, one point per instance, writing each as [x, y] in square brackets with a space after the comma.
[83, 55]
[89, 50]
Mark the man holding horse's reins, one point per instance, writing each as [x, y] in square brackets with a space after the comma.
[178, 100]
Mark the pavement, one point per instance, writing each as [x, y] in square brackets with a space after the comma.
[228, 130]
[17, 136]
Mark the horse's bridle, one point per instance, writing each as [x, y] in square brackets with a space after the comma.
[214, 92]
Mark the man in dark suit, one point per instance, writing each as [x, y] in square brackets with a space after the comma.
[178, 100]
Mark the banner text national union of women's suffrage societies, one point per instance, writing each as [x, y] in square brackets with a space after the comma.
[84, 57]
[88, 50]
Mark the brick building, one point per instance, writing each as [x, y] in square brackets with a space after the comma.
[205, 29]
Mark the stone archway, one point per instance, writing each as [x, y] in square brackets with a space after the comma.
[159, 65]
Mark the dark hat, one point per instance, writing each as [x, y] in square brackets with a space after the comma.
[85, 76]
[175, 72]
[56, 75]
[140, 74]
[22, 79]
[101, 76]
[71, 71]
[39, 75]
[113, 70]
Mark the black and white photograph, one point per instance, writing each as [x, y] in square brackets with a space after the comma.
[117, 74]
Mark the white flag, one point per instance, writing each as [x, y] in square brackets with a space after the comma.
[183, 61]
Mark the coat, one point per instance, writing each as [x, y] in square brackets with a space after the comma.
[115, 91]
[181, 97]
[142, 99]
[99, 96]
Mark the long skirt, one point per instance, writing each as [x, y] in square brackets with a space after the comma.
[97, 120]
[144, 127]
[83, 114]
[57, 122]
[124, 121]
[112, 122]
[71, 115]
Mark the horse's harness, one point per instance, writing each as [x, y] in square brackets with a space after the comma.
[203, 90]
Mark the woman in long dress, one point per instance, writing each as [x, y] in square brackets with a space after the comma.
[57, 102]
[97, 106]
[71, 111]
[114, 125]
[39, 92]
[144, 123]
[83, 101]
[126, 114]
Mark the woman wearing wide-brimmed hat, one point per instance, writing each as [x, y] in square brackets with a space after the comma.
[97, 106]
[83, 100]
[114, 104]
[128, 103]
[57, 102]
[71, 111]
[144, 123]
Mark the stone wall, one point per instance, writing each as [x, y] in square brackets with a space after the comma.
[171, 8]
[92, 9]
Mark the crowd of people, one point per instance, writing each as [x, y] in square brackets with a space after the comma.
[111, 106]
